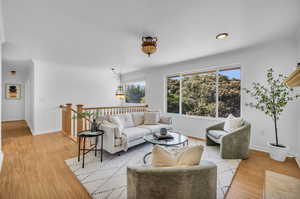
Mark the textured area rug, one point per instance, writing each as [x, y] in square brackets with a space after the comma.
[107, 180]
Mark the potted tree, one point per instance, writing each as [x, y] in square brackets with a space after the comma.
[272, 99]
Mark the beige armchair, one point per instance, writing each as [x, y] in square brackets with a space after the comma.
[233, 145]
[190, 182]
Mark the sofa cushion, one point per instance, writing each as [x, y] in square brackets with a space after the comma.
[138, 118]
[156, 128]
[134, 133]
[232, 123]
[165, 120]
[151, 118]
[123, 120]
[127, 120]
[217, 134]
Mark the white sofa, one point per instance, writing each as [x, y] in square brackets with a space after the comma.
[131, 131]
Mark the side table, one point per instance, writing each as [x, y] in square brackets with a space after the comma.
[88, 134]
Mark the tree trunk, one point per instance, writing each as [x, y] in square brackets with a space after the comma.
[276, 133]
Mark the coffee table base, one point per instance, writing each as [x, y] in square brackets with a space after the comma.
[145, 156]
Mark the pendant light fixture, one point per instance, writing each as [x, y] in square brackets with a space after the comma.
[120, 94]
[149, 45]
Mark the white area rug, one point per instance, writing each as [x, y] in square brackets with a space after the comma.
[107, 180]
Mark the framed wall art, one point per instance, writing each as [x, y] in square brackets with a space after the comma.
[13, 91]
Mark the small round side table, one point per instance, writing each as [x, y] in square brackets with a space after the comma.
[89, 134]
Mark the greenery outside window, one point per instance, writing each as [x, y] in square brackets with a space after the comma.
[173, 94]
[135, 92]
[214, 93]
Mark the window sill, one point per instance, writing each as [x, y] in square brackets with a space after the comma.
[195, 117]
[134, 104]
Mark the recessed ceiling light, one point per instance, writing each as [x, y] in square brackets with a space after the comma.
[222, 35]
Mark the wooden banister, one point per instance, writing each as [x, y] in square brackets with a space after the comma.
[68, 119]
[75, 121]
[79, 119]
[115, 107]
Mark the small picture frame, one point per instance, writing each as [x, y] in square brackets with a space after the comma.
[13, 91]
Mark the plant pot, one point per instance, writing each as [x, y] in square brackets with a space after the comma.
[277, 153]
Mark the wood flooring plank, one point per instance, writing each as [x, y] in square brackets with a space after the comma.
[34, 168]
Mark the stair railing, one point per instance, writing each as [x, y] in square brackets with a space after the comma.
[75, 121]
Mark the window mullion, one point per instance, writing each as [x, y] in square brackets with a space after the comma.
[217, 94]
[180, 95]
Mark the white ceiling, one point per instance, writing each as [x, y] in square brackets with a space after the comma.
[107, 33]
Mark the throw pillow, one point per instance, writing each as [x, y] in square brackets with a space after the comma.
[127, 120]
[232, 123]
[124, 120]
[165, 120]
[151, 118]
[138, 118]
[162, 158]
[188, 156]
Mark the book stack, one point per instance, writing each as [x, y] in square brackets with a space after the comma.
[158, 136]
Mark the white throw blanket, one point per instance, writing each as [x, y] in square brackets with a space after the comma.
[124, 141]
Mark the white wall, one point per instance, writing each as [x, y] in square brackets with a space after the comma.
[298, 45]
[280, 55]
[2, 39]
[1, 154]
[29, 96]
[13, 109]
[298, 89]
[56, 84]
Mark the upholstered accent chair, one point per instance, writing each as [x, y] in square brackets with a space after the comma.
[233, 145]
[184, 182]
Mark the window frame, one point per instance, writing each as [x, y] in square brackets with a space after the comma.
[131, 82]
[215, 69]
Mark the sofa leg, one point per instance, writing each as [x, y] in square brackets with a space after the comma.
[119, 153]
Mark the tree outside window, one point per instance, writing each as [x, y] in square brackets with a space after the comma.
[209, 94]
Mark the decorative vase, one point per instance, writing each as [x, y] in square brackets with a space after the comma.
[94, 126]
[277, 153]
[163, 131]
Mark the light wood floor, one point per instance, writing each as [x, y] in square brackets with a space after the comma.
[34, 168]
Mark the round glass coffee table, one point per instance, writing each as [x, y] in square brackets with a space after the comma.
[178, 139]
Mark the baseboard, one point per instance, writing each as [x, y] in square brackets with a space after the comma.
[197, 138]
[1, 159]
[29, 126]
[266, 150]
[259, 148]
[8, 121]
[45, 132]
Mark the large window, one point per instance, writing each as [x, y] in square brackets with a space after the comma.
[213, 93]
[173, 89]
[135, 92]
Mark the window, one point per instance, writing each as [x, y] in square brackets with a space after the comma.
[229, 92]
[173, 84]
[135, 92]
[213, 93]
[199, 94]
